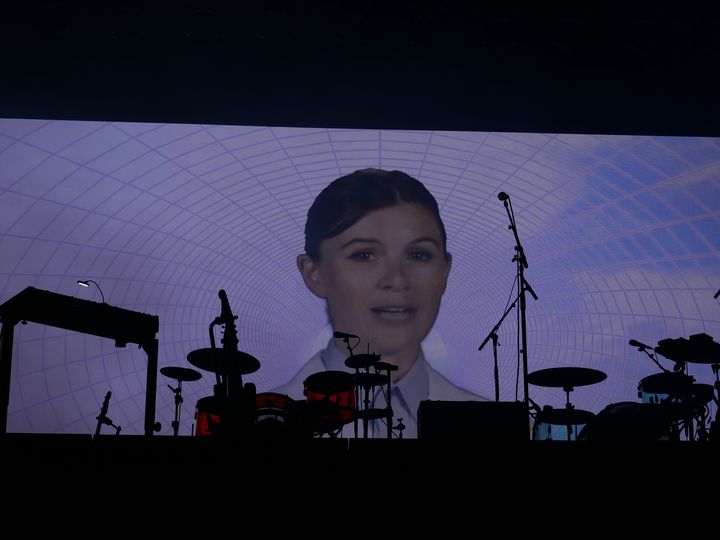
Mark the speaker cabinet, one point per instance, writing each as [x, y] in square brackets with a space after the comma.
[473, 420]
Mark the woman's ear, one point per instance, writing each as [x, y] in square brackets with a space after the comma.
[311, 275]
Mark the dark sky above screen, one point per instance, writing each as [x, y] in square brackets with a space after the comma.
[622, 236]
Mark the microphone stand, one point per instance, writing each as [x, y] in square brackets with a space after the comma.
[493, 335]
[102, 417]
[652, 357]
[523, 286]
[103, 411]
[220, 388]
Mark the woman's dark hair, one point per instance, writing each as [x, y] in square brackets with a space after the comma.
[349, 198]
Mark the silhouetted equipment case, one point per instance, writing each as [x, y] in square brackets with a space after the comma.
[476, 420]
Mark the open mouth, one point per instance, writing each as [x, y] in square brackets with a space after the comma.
[394, 313]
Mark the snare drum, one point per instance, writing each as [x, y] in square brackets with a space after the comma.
[331, 399]
[554, 424]
[272, 407]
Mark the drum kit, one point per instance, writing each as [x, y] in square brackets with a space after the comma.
[334, 399]
[672, 405]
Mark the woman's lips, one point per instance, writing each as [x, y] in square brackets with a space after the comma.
[394, 313]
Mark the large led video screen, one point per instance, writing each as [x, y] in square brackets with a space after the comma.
[621, 236]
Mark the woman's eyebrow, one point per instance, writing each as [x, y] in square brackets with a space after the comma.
[360, 241]
[376, 241]
[426, 239]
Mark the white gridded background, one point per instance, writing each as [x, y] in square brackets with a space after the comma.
[622, 234]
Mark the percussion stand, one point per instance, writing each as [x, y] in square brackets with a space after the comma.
[388, 402]
[178, 405]
[346, 339]
[568, 407]
[366, 407]
[388, 408]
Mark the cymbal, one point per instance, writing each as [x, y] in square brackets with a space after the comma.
[370, 379]
[181, 373]
[213, 360]
[699, 349]
[566, 377]
[564, 417]
[384, 366]
[360, 361]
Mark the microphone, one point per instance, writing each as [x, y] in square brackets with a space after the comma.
[503, 196]
[641, 346]
[343, 335]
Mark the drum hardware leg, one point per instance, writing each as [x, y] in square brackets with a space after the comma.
[388, 404]
[569, 407]
[178, 405]
[357, 400]
[715, 424]
[399, 428]
[366, 406]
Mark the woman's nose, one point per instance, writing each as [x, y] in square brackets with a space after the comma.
[394, 277]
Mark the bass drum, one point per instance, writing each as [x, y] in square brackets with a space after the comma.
[628, 421]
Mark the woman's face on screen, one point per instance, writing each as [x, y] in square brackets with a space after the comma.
[383, 278]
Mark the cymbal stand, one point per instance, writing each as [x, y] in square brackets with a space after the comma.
[388, 401]
[346, 339]
[569, 407]
[178, 405]
[366, 405]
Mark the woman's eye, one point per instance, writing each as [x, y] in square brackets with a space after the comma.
[421, 255]
[362, 256]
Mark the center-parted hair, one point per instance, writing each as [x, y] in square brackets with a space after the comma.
[348, 199]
